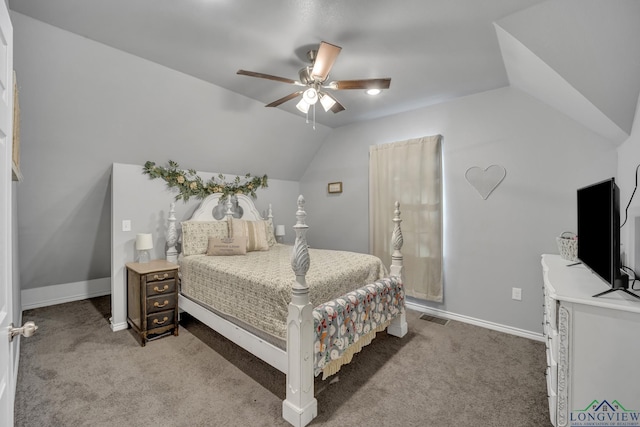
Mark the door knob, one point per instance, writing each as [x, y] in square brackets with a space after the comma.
[27, 330]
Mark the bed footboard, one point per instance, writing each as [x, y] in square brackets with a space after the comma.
[300, 405]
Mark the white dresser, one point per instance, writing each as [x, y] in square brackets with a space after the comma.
[593, 348]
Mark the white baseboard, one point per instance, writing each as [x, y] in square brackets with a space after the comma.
[66, 292]
[115, 327]
[473, 321]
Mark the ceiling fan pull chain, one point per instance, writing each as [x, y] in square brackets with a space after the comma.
[314, 116]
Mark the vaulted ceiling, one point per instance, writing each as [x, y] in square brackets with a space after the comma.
[579, 56]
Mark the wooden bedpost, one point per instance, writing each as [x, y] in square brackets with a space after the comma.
[300, 406]
[398, 326]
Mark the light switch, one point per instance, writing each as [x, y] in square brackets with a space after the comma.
[126, 225]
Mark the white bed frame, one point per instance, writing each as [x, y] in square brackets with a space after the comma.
[300, 405]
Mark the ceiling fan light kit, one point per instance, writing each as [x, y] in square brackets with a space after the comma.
[314, 76]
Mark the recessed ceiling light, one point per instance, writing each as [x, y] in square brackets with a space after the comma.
[373, 91]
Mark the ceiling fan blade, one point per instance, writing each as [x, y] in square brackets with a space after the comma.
[361, 84]
[284, 99]
[327, 54]
[266, 76]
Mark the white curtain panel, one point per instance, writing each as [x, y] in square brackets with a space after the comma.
[409, 172]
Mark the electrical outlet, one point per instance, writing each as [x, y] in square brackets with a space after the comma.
[126, 225]
[516, 294]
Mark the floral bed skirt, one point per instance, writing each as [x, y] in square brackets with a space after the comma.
[347, 324]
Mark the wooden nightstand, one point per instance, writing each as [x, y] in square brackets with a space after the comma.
[152, 299]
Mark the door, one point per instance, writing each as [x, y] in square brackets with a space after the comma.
[7, 356]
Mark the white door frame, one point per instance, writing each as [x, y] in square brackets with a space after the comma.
[9, 352]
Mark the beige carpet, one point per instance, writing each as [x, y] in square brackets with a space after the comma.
[76, 372]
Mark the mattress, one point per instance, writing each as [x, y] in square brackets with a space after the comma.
[256, 288]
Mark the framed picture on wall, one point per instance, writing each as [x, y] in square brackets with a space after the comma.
[334, 187]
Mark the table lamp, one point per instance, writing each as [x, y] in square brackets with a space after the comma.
[144, 243]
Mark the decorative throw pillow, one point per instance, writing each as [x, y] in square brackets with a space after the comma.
[227, 246]
[195, 235]
[271, 235]
[254, 231]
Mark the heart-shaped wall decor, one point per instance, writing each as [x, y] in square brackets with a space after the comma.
[484, 181]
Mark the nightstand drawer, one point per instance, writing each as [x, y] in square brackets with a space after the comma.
[158, 320]
[161, 303]
[161, 288]
[161, 275]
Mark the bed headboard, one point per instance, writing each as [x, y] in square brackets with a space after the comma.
[213, 208]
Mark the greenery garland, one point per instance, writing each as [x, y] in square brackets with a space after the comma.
[189, 184]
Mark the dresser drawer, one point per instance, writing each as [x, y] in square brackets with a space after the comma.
[161, 288]
[161, 275]
[161, 319]
[161, 303]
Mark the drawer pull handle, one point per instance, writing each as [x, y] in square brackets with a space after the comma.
[156, 289]
[157, 277]
[158, 322]
[158, 305]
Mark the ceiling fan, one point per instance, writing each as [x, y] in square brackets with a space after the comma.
[314, 78]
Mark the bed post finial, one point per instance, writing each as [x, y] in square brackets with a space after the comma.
[300, 254]
[300, 406]
[396, 243]
[398, 326]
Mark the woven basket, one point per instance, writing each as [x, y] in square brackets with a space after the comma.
[568, 245]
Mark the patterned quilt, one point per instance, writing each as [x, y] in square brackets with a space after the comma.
[256, 288]
[344, 325]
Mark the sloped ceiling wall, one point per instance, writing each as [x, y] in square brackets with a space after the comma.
[579, 56]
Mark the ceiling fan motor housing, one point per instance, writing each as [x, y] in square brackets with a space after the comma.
[306, 78]
[305, 75]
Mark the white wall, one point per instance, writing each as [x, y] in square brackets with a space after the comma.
[490, 245]
[628, 163]
[145, 202]
[85, 106]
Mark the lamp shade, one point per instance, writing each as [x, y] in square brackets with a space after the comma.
[144, 241]
[327, 102]
[303, 106]
[310, 96]
[280, 230]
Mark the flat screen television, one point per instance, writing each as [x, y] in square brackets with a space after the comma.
[599, 234]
